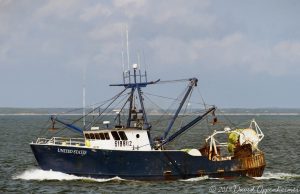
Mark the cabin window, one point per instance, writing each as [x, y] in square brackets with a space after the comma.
[97, 136]
[123, 135]
[115, 135]
[102, 136]
[87, 136]
[106, 136]
[92, 136]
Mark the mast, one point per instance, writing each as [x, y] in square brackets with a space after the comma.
[127, 45]
[83, 95]
[135, 82]
[123, 65]
[83, 104]
[130, 107]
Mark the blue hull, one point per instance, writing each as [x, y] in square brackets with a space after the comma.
[137, 165]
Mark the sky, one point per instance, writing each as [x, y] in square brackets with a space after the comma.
[245, 54]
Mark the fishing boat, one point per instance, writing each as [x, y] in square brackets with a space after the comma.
[126, 148]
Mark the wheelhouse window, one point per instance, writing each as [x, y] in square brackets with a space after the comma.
[123, 135]
[115, 135]
[97, 136]
[106, 135]
[102, 136]
[92, 136]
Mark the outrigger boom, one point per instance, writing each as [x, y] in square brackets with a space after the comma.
[186, 127]
[70, 126]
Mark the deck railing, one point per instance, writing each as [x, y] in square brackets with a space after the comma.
[62, 141]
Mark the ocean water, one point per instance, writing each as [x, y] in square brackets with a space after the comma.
[19, 172]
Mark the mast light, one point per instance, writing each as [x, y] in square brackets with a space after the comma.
[135, 66]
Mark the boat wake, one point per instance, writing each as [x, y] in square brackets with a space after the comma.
[41, 175]
[266, 176]
[278, 176]
[195, 179]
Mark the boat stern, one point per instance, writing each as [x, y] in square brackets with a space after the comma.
[254, 165]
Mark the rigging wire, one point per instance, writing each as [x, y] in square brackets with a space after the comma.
[219, 110]
[43, 129]
[192, 127]
[160, 108]
[205, 107]
[165, 112]
[168, 110]
[113, 99]
[119, 114]
[227, 119]
[186, 105]
[177, 99]
[99, 105]
[111, 111]
[172, 81]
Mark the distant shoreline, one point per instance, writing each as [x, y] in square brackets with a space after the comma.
[154, 114]
[151, 111]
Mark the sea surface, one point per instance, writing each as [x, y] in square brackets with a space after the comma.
[19, 172]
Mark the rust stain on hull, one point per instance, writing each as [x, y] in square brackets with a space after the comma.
[254, 165]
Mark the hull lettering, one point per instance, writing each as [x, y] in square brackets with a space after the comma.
[69, 151]
[123, 143]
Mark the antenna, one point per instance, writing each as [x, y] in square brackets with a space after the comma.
[139, 60]
[139, 66]
[123, 65]
[83, 95]
[127, 44]
[144, 60]
[145, 64]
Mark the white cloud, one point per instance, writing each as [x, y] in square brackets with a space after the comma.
[185, 37]
[131, 8]
[169, 51]
[4, 3]
[234, 51]
[60, 9]
[4, 49]
[187, 13]
[288, 50]
[283, 58]
[223, 52]
[96, 11]
[107, 32]
[175, 42]
[129, 3]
